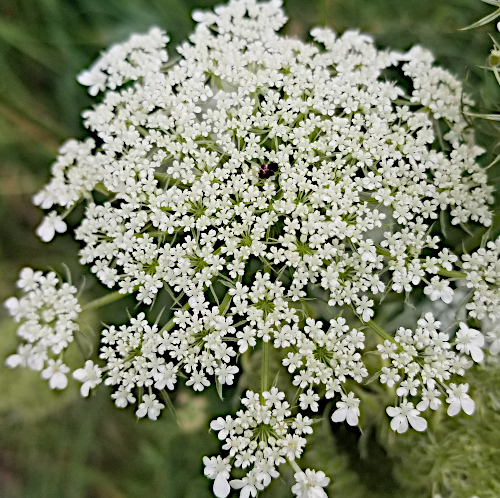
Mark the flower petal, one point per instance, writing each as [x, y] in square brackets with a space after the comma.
[418, 423]
[468, 405]
[221, 486]
[454, 407]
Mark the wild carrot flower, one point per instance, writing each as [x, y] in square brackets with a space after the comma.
[251, 178]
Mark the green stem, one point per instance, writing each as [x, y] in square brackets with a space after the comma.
[224, 306]
[170, 406]
[451, 273]
[380, 331]
[295, 467]
[68, 211]
[265, 366]
[383, 252]
[102, 301]
[102, 190]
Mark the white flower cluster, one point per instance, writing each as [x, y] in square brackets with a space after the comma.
[327, 358]
[137, 355]
[259, 146]
[260, 438]
[421, 364]
[482, 270]
[139, 56]
[47, 314]
[250, 176]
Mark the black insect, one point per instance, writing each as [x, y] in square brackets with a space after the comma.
[268, 170]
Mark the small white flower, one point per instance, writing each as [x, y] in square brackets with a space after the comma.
[458, 399]
[430, 398]
[123, 397]
[403, 414]
[218, 469]
[302, 424]
[15, 360]
[29, 279]
[150, 406]
[93, 78]
[408, 386]
[439, 289]
[365, 308]
[51, 224]
[90, 375]
[250, 485]
[223, 426]
[56, 374]
[347, 409]
[389, 376]
[310, 484]
[13, 306]
[470, 341]
[309, 400]
[198, 381]
[494, 339]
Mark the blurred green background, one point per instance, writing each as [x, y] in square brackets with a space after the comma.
[56, 445]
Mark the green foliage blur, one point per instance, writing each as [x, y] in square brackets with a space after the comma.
[58, 445]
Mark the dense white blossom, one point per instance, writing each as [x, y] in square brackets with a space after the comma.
[424, 360]
[47, 314]
[277, 191]
[183, 154]
[262, 436]
[129, 61]
[483, 277]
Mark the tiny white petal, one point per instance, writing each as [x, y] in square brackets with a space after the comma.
[221, 486]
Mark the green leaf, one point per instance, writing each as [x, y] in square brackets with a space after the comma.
[373, 378]
[485, 20]
[21, 40]
[491, 117]
[218, 386]
[170, 406]
[495, 3]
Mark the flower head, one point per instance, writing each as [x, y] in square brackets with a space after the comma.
[458, 399]
[47, 314]
[404, 414]
[310, 484]
[251, 175]
[347, 409]
[218, 469]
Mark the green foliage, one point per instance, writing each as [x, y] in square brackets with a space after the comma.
[92, 449]
[461, 456]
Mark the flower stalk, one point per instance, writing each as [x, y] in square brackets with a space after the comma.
[104, 300]
[264, 383]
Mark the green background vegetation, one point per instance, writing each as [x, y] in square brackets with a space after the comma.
[57, 445]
